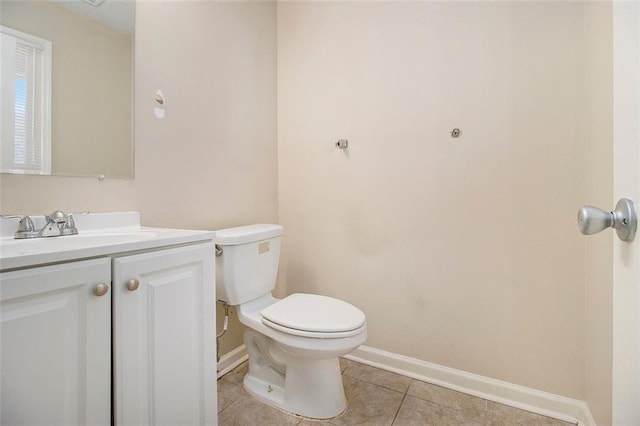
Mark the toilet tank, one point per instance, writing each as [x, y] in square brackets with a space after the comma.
[248, 265]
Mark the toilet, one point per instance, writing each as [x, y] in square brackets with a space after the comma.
[293, 343]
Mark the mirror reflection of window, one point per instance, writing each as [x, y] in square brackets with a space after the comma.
[92, 52]
[25, 114]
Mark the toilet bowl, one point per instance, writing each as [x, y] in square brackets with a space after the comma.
[293, 343]
[300, 374]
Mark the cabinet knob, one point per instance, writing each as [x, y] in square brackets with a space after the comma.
[133, 284]
[101, 289]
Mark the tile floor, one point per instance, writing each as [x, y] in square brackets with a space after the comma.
[376, 397]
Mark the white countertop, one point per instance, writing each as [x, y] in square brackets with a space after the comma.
[99, 234]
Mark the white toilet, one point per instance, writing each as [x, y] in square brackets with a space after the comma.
[293, 343]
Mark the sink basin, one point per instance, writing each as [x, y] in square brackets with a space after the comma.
[91, 241]
[99, 238]
[13, 247]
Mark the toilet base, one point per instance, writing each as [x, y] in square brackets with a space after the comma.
[309, 387]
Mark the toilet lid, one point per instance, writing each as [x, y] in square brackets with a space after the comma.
[311, 313]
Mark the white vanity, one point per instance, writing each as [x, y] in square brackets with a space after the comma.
[117, 321]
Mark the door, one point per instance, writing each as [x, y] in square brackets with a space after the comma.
[626, 256]
[55, 344]
[164, 337]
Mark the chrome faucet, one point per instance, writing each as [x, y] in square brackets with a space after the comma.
[57, 224]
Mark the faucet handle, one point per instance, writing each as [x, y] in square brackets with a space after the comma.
[71, 223]
[69, 227]
[25, 224]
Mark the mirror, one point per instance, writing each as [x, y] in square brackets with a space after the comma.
[67, 87]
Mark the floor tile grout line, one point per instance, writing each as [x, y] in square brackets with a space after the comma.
[229, 405]
[399, 407]
[377, 384]
[374, 383]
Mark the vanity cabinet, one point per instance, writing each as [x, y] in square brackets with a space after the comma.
[164, 348]
[60, 365]
[55, 352]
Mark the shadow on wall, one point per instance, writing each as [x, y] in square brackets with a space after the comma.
[303, 277]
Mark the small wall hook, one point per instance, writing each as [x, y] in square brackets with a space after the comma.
[342, 144]
[160, 104]
[455, 133]
[159, 98]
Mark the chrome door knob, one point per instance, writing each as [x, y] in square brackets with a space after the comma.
[623, 219]
[101, 289]
[133, 284]
[592, 220]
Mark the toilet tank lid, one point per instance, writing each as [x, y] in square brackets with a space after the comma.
[247, 234]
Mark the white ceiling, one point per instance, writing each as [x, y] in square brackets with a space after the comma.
[116, 14]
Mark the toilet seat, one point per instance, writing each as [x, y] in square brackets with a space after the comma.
[312, 315]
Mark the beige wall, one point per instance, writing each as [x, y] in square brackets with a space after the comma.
[462, 252]
[91, 88]
[211, 162]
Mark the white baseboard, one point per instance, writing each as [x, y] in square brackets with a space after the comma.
[545, 403]
[231, 360]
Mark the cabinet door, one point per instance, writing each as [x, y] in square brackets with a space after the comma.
[55, 345]
[164, 337]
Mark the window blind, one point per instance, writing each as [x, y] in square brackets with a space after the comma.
[25, 103]
[28, 108]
